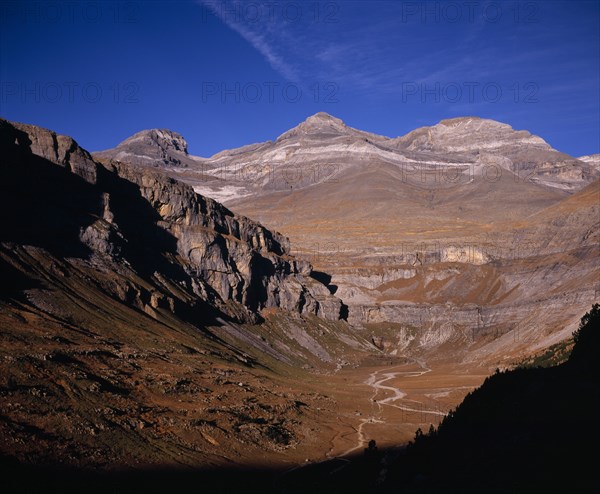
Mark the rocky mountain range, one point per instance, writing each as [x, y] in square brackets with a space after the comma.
[123, 293]
[148, 321]
[224, 258]
[429, 232]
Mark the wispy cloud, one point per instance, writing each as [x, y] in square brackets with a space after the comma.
[264, 42]
[372, 48]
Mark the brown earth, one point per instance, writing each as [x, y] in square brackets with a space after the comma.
[124, 357]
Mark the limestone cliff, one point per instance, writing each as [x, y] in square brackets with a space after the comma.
[145, 219]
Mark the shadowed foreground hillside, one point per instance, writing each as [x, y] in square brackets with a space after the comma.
[525, 430]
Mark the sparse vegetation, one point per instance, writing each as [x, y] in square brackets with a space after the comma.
[553, 355]
[524, 430]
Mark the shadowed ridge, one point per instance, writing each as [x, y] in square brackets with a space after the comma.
[154, 222]
[524, 430]
[354, 474]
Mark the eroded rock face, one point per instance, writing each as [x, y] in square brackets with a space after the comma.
[239, 258]
[467, 135]
[142, 216]
[152, 148]
[498, 144]
[59, 149]
[453, 213]
[592, 159]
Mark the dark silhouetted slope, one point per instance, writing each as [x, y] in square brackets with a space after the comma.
[525, 430]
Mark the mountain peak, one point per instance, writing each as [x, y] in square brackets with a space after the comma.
[319, 123]
[151, 147]
[163, 138]
[321, 118]
[472, 122]
[592, 159]
[470, 135]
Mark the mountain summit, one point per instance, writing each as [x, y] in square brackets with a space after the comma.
[322, 125]
[323, 144]
[152, 147]
[471, 135]
[319, 123]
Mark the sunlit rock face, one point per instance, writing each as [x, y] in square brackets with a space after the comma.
[237, 258]
[468, 213]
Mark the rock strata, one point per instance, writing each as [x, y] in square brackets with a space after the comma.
[138, 211]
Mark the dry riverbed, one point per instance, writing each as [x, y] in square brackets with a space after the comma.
[387, 401]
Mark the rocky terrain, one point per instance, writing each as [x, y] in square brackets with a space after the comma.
[222, 257]
[153, 148]
[592, 159]
[144, 324]
[460, 234]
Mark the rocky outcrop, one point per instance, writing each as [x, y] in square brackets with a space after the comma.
[59, 149]
[591, 159]
[152, 222]
[239, 258]
[152, 148]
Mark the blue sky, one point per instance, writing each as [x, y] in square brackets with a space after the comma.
[225, 74]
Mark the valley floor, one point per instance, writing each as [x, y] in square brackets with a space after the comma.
[386, 399]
